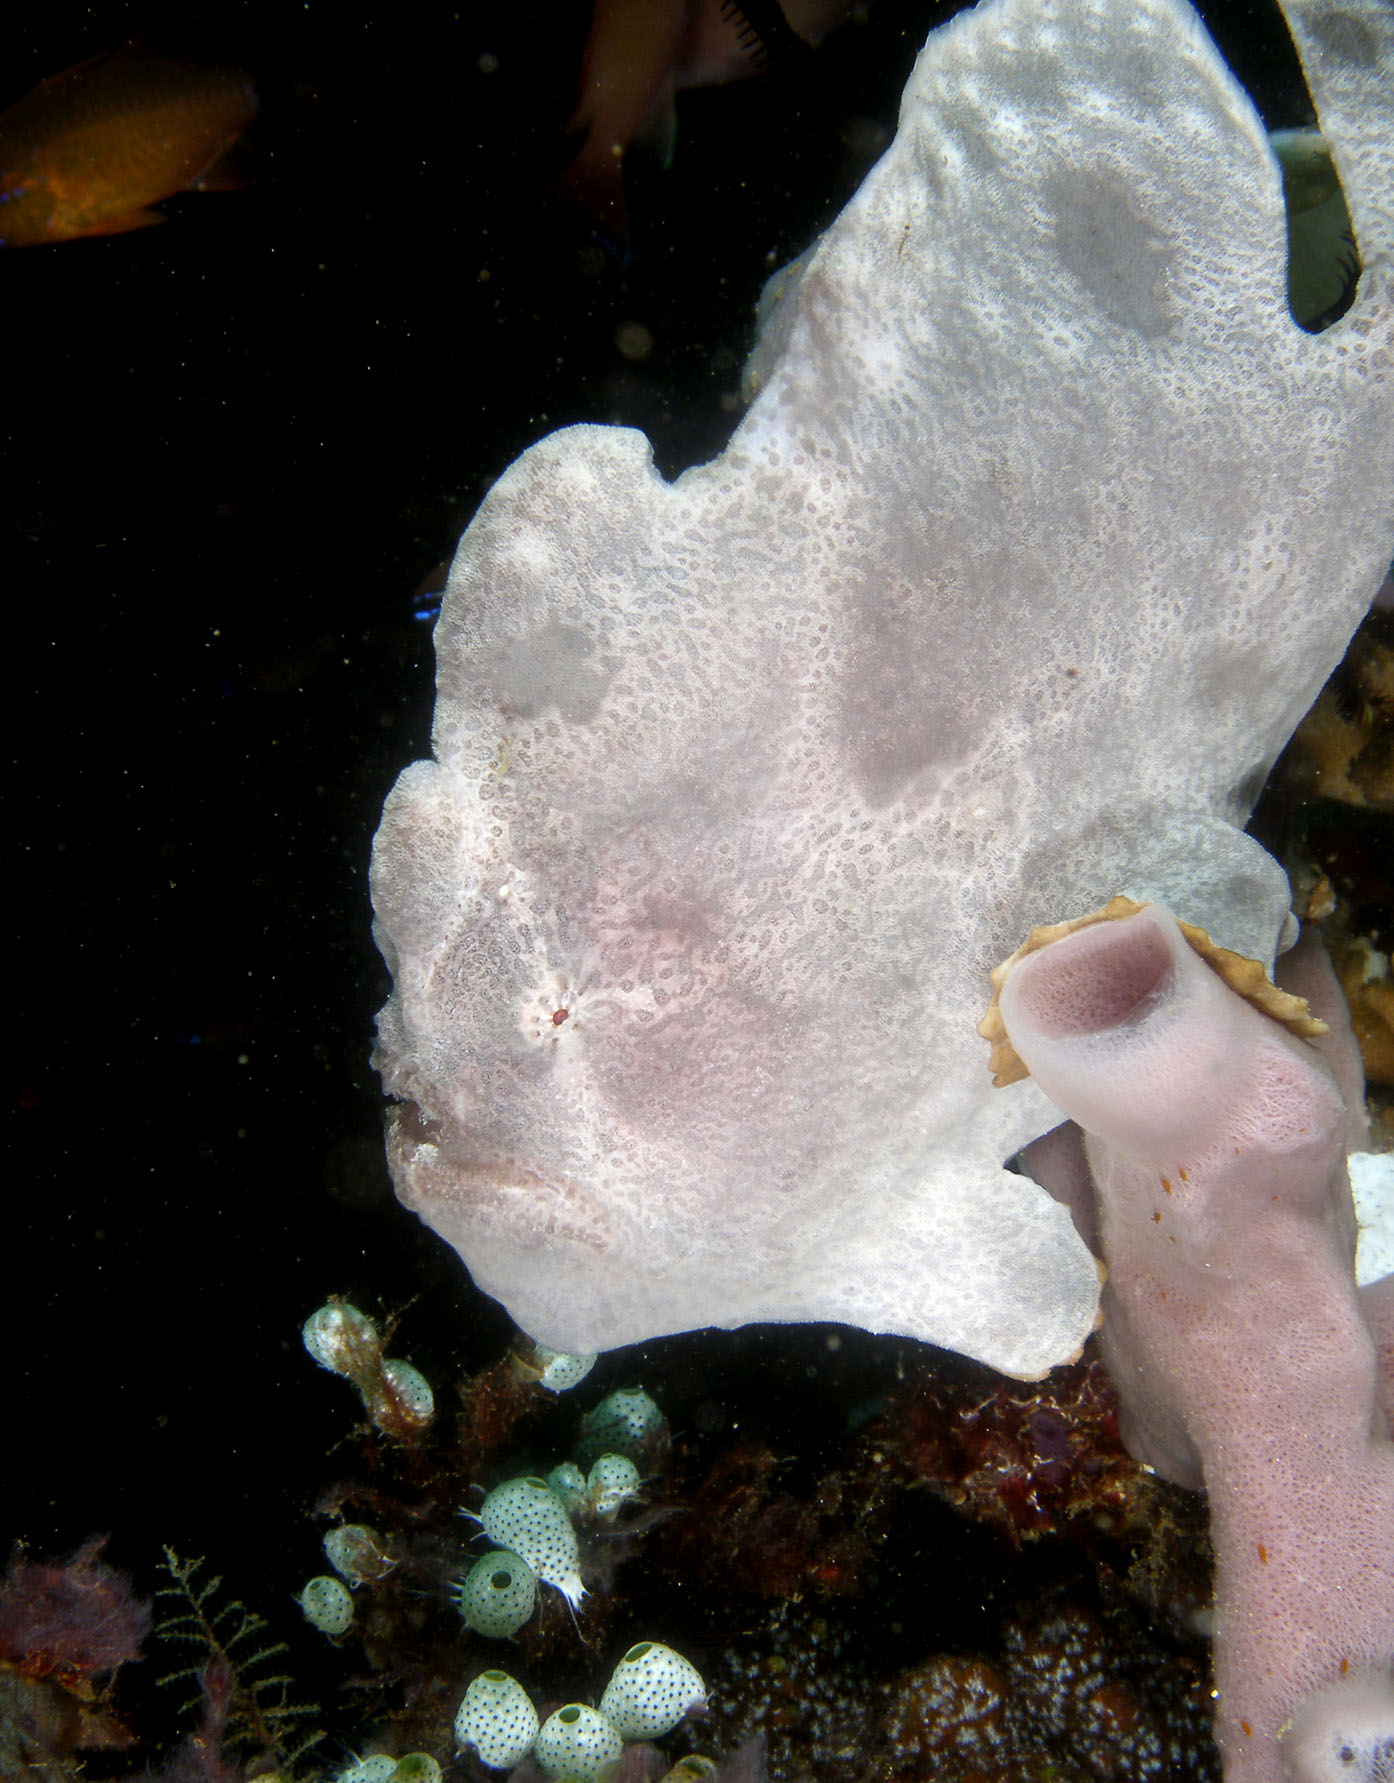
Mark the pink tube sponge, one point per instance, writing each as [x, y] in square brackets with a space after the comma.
[1232, 1325]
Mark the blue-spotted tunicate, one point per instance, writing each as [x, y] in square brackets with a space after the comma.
[417, 1401]
[357, 1553]
[417, 1767]
[569, 1484]
[377, 1767]
[578, 1744]
[652, 1688]
[559, 1370]
[498, 1720]
[611, 1483]
[526, 1517]
[498, 1594]
[341, 1339]
[327, 1605]
[626, 1422]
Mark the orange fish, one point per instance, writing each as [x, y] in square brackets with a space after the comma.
[87, 151]
[641, 52]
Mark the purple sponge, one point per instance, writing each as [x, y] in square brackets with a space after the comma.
[1216, 1141]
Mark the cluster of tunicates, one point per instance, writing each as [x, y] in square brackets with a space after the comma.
[651, 1690]
[613, 1481]
[358, 1554]
[531, 1523]
[534, 1539]
[530, 1519]
[396, 1396]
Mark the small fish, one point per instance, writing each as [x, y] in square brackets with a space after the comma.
[640, 53]
[88, 151]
